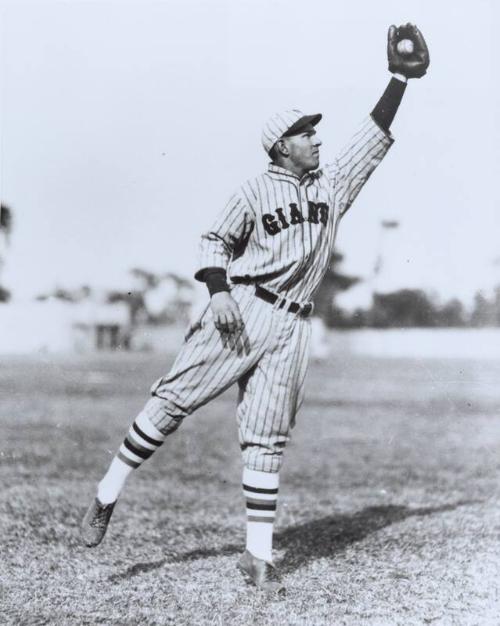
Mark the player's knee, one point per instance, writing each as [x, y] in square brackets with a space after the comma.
[263, 458]
[158, 412]
[264, 463]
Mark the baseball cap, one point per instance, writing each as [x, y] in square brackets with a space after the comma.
[286, 124]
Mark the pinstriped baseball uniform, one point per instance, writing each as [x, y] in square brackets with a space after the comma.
[277, 231]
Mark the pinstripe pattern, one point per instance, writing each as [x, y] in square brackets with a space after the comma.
[278, 231]
[293, 261]
[204, 368]
[278, 124]
[271, 394]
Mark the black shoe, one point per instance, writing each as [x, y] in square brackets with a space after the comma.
[260, 573]
[95, 522]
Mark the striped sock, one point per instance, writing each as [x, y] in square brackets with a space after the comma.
[261, 493]
[141, 441]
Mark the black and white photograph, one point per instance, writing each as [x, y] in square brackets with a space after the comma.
[249, 312]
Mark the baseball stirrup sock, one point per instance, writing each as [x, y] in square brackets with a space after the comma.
[141, 441]
[261, 494]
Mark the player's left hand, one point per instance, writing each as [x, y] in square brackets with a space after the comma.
[229, 323]
[227, 316]
[413, 65]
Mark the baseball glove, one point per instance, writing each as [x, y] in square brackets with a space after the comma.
[413, 65]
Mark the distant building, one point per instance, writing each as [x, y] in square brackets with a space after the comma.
[57, 326]
[101, 326]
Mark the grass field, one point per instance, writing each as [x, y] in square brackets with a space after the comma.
[389, 503]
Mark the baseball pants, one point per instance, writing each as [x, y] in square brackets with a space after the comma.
[268, 361]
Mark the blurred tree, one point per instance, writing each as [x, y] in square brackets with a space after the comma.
[451, 314]
[148, 279]
[497, 306]
[486, 312]
[4, 295]
[179, 281]
[134, 301]
[170, 301]
[360, 318]
[66, 295]
[5, 219]
[158, 297]
[5, 232]
[403, 308]
[333, 283]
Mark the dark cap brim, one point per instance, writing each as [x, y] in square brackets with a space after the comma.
[306, 120]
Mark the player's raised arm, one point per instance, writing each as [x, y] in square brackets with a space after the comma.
[408, 57]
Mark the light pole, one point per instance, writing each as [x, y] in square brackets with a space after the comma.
[385, 226]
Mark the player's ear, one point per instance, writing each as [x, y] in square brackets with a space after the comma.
[282, 146]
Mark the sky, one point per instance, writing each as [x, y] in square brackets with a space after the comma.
[127, 125]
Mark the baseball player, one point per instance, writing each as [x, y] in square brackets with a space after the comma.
[262, 261]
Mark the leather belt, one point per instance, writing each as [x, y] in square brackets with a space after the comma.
[293, 307]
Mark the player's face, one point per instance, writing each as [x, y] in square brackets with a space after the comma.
[304, 150]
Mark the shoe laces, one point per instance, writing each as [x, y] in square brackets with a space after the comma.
[102, 514]
[272, 573]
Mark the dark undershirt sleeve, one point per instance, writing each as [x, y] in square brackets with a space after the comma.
[215, 279]
[386, 108]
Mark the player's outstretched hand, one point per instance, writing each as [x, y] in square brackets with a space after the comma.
[412, 65]
[227, 316]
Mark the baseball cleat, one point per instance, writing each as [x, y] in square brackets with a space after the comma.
[95, 522]
[260, 573]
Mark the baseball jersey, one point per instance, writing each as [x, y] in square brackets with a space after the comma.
[278, 230]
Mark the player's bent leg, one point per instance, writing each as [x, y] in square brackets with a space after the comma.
[141, 441]
[203, 369]
[207, 365]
